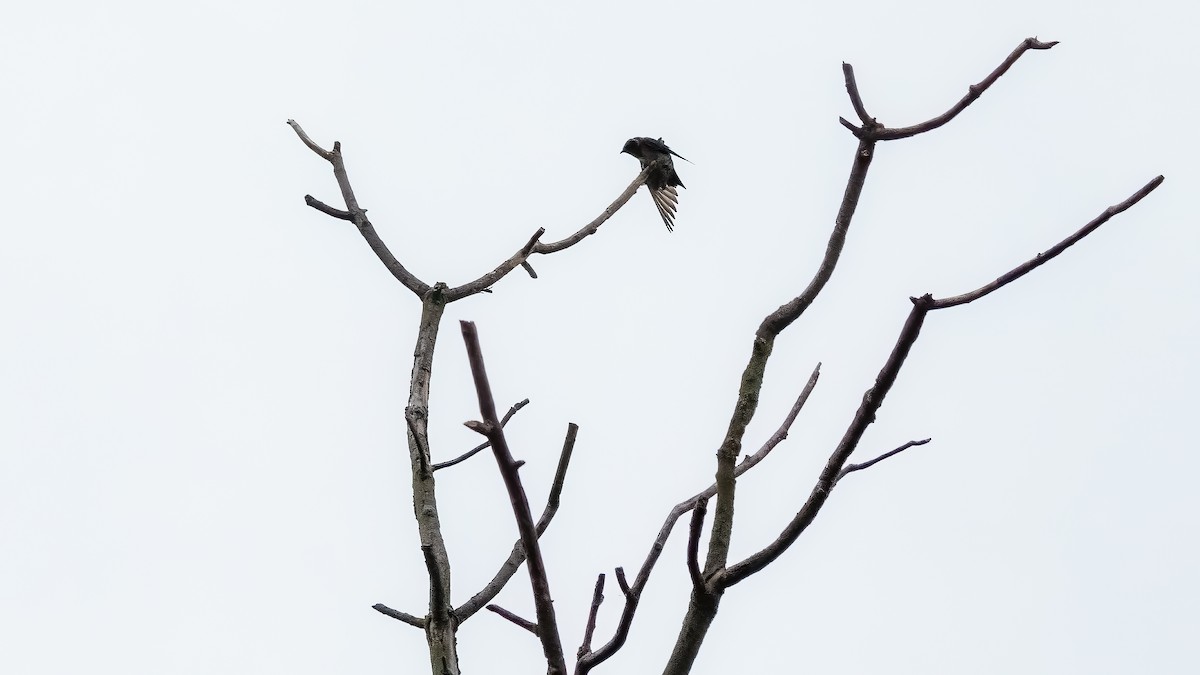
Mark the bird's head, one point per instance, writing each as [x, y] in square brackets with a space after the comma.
[632, 147]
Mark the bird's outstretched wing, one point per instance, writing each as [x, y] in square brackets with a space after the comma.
[666, 199]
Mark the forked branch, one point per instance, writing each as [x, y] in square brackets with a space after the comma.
[873, 130]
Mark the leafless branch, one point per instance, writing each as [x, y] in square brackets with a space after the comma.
[517, 556]
[542, 600]
[702, 608]
[850, 468]
[523, 623]
[589, 629]
[1042, 258]
[359, 215]
[855, 98]
[407, 618]
[621, 582]
[475, 450]
[873, 399]
[327, 209]
[488, 280]
[534, 245]
[875, 131]
[592, 227]
[693, 545]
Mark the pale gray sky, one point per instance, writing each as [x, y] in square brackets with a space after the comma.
[203, 381]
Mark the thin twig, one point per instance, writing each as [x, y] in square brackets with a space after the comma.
[542, 600]
[856, 101]
[475, 450]
[327, 209]
[591, 228]
[850, 468]
[589, 629]
[407, 618]
[523, 623]
[621, 582]
[1043, 258]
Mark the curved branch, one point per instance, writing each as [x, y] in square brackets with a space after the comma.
[875, 131]
[357, 214]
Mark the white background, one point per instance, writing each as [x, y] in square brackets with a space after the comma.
[202, 381]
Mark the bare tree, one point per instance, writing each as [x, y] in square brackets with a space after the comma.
[717, 574]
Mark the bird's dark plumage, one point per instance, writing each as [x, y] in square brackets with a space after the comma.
[662, 180]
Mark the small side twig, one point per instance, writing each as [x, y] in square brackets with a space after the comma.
[589, 628]
[484, 445]
[621, 581]
[327, 209]
[407, 618]
[523, 623]
[850, 468]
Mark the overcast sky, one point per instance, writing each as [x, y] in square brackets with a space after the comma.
[202, 461]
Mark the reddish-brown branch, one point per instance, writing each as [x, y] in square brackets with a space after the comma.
[523, 623]
[490, 426]
[517, 556]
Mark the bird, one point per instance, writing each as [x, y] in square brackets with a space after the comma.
[662, 180]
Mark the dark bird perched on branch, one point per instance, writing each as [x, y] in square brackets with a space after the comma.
[662, 180]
